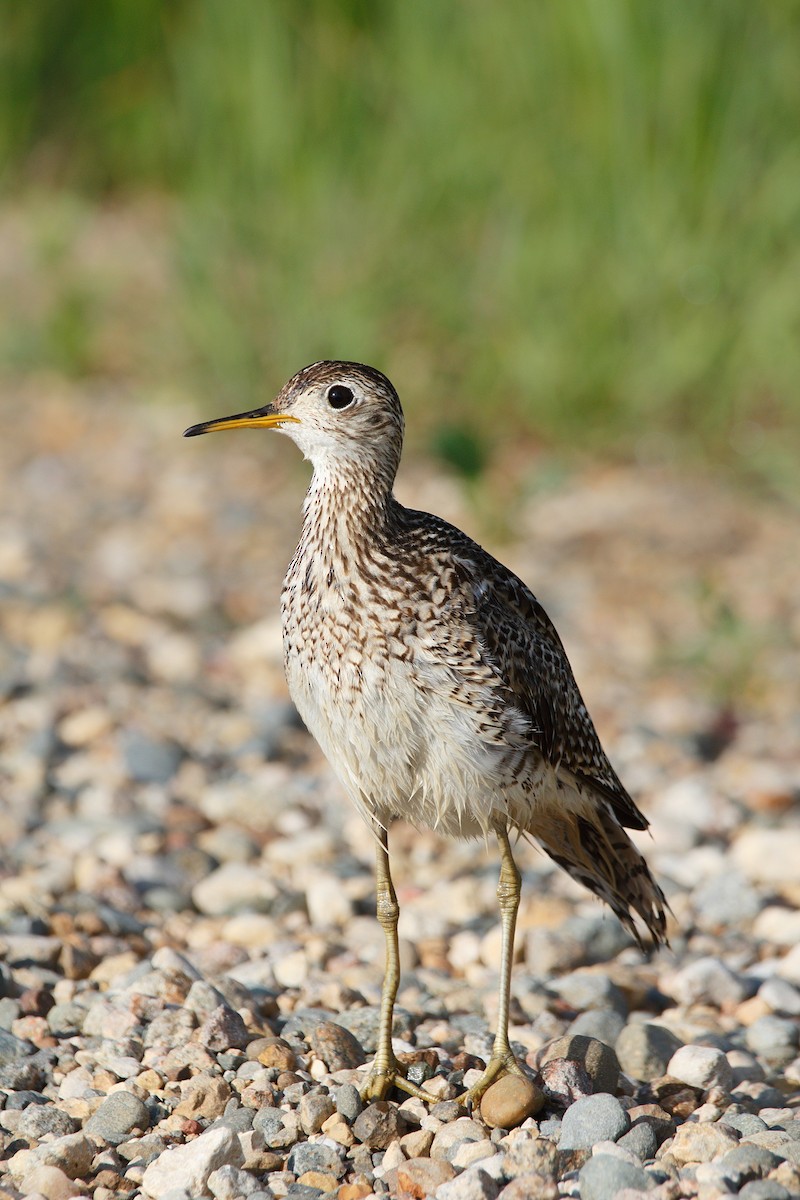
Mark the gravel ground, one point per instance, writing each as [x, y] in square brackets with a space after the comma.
[190, 963]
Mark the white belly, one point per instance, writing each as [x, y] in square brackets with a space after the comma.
[403, 743]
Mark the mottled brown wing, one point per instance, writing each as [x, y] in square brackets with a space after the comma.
[522, 643]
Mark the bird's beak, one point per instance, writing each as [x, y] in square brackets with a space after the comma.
[260, 418]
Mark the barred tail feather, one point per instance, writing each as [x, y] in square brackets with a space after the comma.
[581, 833]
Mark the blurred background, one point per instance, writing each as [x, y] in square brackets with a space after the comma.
[575, 224]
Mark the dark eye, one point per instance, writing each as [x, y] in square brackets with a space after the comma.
[339, 396]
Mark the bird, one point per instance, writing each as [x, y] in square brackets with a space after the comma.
[436, 685]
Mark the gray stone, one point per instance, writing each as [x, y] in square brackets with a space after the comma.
[641, 1140]
[311, 1156]
[148, 759]
[707, 981]
[363, 1023]
[781, 996]
[725, 899]
[348, 1102]
[279, 1128]
[584, 990]
[605, 1175]
[746, 1162]
[38, 1120]
[745, 1123]
[12, 1048]
[602, 1023]
[28, 1074]
[765, 1189]
[644, 1050]
[230, 1183]
[117, 1116]
[593, 1119]
[66, 1020]
[701, 1067]
[774, 1039]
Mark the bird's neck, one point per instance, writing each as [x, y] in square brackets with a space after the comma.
[346, 506]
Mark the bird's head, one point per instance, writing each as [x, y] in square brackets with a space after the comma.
[342, 415]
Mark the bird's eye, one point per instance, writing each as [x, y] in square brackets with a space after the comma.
[339, 396]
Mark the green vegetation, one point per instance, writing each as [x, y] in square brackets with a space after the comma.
[576, 219]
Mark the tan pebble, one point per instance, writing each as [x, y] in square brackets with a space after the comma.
[150, 1081]
[393, 1156]
[418, 1178]
[440, 1088]
[509, 1101]
[50, 1182]
[336, 1127]
[418, 1143]
[470, 1152]
[84, 726]
[750, 1010]
[275, 1052]
[318, 1179]
[357, 1190]
[204, 1096]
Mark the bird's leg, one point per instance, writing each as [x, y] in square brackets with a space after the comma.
[502, 1060]
[386, 1071]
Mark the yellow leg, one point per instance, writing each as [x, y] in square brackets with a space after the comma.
[508, 893]
[386, 1071]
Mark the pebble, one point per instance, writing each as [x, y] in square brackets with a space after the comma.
[643, 1050]
[117, 1117]
[419, 1177]
[774, 1039]
[701, 1142]
[461, 1130]
[509, 1101]
[593, 1119]
[530, 1187]
[598, 1060]
[314, 1156]
[531, 1156]
[471, 1185]
[231, 1183]
[706, 981]
[379, 1125]
[51, 1183]
[189, 1166]
[701, 1067]
[348, 1102]
[604, 1176]
[336, 1047]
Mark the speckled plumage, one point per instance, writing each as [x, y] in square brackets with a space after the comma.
[430, 675]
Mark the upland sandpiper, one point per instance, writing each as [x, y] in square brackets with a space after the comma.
[435, 682]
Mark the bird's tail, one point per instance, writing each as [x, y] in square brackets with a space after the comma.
[581, 833]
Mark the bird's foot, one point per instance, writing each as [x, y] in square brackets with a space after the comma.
[383, 1078]
[498, 1066]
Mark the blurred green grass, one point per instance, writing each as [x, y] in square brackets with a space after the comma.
[575, 222]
